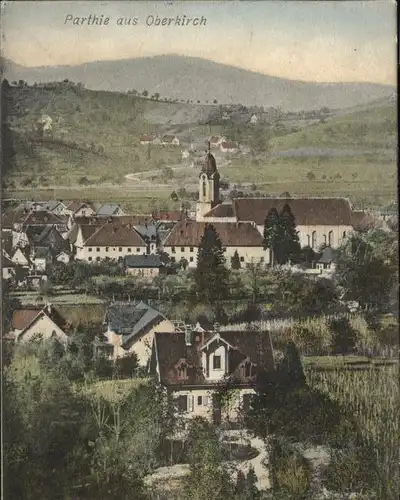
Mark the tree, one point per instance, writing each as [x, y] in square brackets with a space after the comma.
[344, 337]
[366, 271]
[156, 96]
[235, 261]
[310, 176]
[174, 196]
[272, 233]
[211, 275]
[209, 478]
[289, 248]
[145, 93]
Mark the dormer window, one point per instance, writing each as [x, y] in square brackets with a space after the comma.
[182, 370]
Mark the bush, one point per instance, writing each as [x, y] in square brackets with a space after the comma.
[127, 365]
[291, 473]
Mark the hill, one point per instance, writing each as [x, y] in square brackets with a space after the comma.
[94, 143]
[193, 79]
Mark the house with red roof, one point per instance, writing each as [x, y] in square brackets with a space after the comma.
[191, 362]
[30, 323]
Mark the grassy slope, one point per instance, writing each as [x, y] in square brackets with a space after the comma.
[112, 123]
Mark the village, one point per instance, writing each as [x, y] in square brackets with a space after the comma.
[199, 251]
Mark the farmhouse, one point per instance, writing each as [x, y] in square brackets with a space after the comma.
[170, 140]
[131, 328]
[216, 141]
[190, 365]
[78, 208]
[111, 240]
[146, 139]
[229, 147]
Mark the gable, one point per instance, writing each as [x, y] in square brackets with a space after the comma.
[44, 326]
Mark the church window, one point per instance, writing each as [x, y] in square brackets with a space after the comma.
[182, 249]
[191, 249]
[330, 238]
[173, 249]
[204, 188]
[344, 234]
[314, 239]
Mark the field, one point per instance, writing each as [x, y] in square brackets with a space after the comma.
[94, 144]
[372, 395]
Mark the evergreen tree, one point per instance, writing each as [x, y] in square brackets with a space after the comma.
[272, 233]
[252, 492]
[235, 261]
[211, 275]
[289, 248]
[344, 336]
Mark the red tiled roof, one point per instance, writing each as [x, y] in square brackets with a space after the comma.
[307, 211]
[147, 137]
[229, 145]
[75, 205]
[169, 138]
[44, 218]
[21, 318]
[222, 210]
[172, 349]
[189, 233]
[173, 215]
[111, 235]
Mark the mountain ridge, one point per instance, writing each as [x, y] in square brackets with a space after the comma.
[196, 79]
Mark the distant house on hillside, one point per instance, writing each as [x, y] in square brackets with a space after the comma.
[229, 147]
[254, 119]
[147, 139]
[46, 323]
[170, 140]
[21, 257]
[143, 266]
[216, 141]
[131, 328]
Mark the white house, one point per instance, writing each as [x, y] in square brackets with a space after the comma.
[200, 361]
[111, 240]
[131, 328]
[254, 119]
[63, 257]
[229, 147]
[216, 140]
[170, 140]
[184, 240]
[79, 208]
[21, 258]
[45, 323]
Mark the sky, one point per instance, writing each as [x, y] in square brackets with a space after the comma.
[312, 41]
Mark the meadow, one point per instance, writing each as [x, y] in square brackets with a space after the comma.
[372, 396]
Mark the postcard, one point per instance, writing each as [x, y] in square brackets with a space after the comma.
[199, 250]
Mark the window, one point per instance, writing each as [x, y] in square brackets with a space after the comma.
[330, 238]
[247, 369]
[241, 259]
[204, 188]
[216, 362]
[120, 249]
[199, 400]
[90, 249]
[182, 249]
[97, 249]
[137, 250]
[262, 259]
[314, 239]
[173, 249]
[97, 258]
[182, 403]
[106, 249]
[129, 250]
[90, 258]
[344, 234]
[224, 249]
[173, 259]
[191, 249]
[191, 259]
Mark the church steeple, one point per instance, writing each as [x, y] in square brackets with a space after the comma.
[208, 185]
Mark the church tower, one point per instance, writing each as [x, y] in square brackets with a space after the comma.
[208, 186]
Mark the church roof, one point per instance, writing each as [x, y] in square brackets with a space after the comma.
[307, 211]
[208, 164]
[222, 210]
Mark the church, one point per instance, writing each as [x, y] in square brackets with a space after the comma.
[240, 222]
